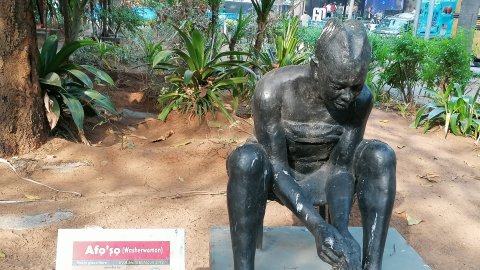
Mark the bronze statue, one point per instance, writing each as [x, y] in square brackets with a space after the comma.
[309, 151]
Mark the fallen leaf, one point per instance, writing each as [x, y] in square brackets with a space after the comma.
[400, 212]
[2, 255]
[401, 146]
[384, 121]
[476, 177]
[137, 136]
[31, 197]
[164, 137]
[429, 177]
[181, 179]
[182, 144]
[426, 185]
[411, 220]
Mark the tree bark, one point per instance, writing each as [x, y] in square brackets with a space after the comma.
[261, 28]
[22, 113]
[73, 18]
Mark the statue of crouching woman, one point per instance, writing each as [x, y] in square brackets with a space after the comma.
[309, 151]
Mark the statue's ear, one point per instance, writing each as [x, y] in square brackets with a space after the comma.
[314, 66]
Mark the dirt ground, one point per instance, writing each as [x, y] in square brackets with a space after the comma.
[129, 181]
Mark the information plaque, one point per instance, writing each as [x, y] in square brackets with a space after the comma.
[121, 249]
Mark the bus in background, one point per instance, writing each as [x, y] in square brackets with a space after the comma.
[476, 25]
[443, 24]
[476, 40]
[445, 20]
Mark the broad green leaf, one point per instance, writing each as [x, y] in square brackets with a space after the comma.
[187, 77]
[419, 115]
[82, 77]
[160, 57]
[190, 47]
[227, 53]
[67, 50]
[76, 110]
[187, 58]
[163, 115]
[198, 42]
[47, 54]
[435, 112]
[231, 82]
[220, 105]
[52, 78]
[101, 100]
[102, 75]
[464, 126]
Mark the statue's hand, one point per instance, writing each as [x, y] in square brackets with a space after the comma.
[352, 258]
[341, 252]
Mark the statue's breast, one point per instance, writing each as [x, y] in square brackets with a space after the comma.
[309, 144]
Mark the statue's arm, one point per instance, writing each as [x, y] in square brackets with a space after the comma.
[266, 107]
[342, 155]
[271, 135]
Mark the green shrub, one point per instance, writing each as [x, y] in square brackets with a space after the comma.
[402, 71]
[123, 17]
[456, 111]
[376, 77]
[286, 48]
[447, 61]
[309, 35]
[197, 76]
[68, 89]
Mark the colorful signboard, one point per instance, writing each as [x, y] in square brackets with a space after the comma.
[442, 20]
[120, 249]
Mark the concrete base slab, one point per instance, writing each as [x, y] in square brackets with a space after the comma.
[293, 248]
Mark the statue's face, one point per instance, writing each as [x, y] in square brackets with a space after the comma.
[341, 63]
[341, 87]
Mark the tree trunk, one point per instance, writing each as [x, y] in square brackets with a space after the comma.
[73, 17]
[22, 113]
[261, 28]
[42, 11]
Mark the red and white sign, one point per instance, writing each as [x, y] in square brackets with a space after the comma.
[121, 249]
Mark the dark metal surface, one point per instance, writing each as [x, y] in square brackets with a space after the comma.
[309, 151]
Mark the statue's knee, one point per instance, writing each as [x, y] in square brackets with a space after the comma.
[248, 159]
[378, 155]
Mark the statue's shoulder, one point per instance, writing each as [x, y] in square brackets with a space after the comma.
[273, 85]
[364, 102]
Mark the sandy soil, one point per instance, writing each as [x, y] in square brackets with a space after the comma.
[128, 181]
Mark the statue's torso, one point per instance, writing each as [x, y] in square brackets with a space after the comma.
[310, 130]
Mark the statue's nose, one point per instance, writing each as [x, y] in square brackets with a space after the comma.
[347, 95]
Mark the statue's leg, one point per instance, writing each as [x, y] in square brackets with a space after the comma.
[375, 165]
[340, 189]
[248, 185]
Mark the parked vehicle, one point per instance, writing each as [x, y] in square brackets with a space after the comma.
[394, 25]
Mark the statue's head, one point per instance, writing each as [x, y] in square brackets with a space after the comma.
[340, 65]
